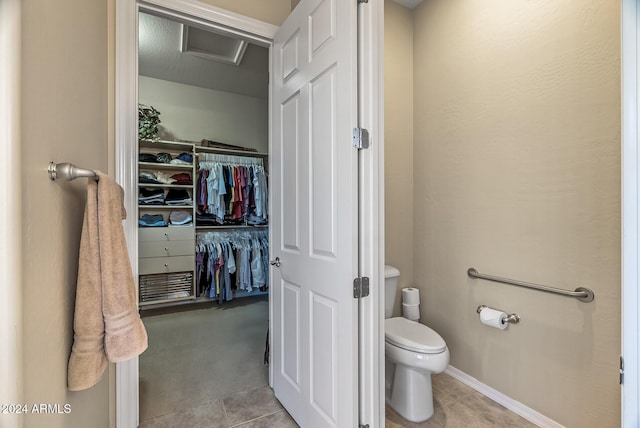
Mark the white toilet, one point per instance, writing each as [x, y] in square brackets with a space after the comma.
[413, 351]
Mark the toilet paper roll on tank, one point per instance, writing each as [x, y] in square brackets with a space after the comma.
[411, 296]
[411, 303]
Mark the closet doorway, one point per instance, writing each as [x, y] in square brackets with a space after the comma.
[327, 330]
[203, 250]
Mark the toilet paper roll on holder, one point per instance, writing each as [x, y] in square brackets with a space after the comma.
[511, 318]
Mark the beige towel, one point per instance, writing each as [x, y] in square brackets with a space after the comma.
[106, 324]
[88, 360]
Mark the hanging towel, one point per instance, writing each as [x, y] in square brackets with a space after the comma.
[125, 336]
[88, 360]
[107, 325]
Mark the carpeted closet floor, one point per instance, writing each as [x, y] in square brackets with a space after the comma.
[198, 356]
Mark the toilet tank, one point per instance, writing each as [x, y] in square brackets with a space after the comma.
[391, 276]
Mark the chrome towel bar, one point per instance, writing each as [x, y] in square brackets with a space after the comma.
[68, 171]
[581, 293]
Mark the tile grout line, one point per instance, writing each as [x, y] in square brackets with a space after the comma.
[256, 418]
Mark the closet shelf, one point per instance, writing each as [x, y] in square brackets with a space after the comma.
[165, 166]
[166, 186]
[164, 207]
[231, 152]
[163, 145]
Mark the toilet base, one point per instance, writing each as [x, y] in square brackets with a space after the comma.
[410, 393]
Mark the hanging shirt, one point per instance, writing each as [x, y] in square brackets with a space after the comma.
[201, 190]
[257, 268]
[228, 256]
[244, 278]
[222, 191]
[212, 192]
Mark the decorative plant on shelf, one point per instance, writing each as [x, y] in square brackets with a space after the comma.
[148, 121]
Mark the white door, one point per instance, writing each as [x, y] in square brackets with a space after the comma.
[315, 202]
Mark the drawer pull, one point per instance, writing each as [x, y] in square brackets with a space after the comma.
[166, 248]
[166, 265]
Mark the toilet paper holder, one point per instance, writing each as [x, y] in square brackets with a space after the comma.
[511, 318]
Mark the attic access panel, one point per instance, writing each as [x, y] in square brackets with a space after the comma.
[212, 46]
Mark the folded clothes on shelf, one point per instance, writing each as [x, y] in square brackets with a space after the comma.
[148, 178]
[178, 197]
[185, 157]
[182, 178]
[181, 159]
[147, 157]
[164, 178]
[164, 157]
[206, 220]
[180, 218]
[155, 177]
[151, 196]
[151, 220]
[179, 162]
[256, 220]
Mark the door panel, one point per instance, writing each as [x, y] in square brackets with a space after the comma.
[324, 355]
[314, 194]
[290, 179]
[291, 334]
[322, 164]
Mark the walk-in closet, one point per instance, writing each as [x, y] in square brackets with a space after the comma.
[203, 238]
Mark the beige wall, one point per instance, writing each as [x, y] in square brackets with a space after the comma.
[67, 84]
[272, 11]
[64, 119]
[192, 113]
[398, 141]
[517, 173]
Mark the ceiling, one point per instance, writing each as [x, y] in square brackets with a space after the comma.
[160, 56]
[411, 4]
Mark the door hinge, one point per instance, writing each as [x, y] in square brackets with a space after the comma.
[360, 287]
[621, 370]
[363, 1]
[360, 138]
[365, 425]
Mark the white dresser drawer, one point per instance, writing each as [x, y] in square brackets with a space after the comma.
[166, 249]
[146, 234]
[166, 264]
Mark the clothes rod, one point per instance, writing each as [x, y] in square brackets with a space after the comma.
[68, 171]
[581, 293]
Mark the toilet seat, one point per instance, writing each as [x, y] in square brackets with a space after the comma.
[413, 336]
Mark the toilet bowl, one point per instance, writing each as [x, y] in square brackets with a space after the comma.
[413, 352]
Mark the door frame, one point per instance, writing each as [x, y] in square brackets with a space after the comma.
[371, 169]
[630, 93]
[11, 362]
[126, 136]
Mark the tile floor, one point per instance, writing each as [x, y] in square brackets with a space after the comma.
[255, 408]
[459, 406]
[456, 406]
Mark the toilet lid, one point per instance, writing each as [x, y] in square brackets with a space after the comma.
[413, 336]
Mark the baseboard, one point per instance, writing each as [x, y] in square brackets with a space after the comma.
[511, 404]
